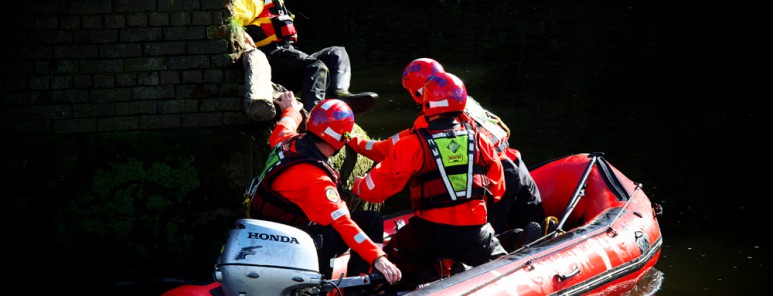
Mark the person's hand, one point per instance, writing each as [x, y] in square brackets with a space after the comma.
[388, 269]
[249, 41]
[287, 99]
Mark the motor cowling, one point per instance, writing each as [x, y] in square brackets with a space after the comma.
[266, 258]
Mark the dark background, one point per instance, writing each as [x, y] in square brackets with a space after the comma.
[670, 91]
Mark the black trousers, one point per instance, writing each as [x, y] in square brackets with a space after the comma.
[332, 245]
[314, 77]
[421, 243]
[521, 202]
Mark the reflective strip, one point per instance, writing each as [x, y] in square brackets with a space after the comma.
[327, 105]
[338, 214]
[330, 132]
[433, 104]
[360, 237]
[395, 138]
[369, 182]
[289, 119]
[369, 145]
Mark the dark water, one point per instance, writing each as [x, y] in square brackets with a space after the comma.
[665, 89]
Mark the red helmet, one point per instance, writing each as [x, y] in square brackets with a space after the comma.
[332, 120]
[444, 93]
[416, 74]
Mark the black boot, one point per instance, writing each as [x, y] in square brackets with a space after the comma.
[360, 102]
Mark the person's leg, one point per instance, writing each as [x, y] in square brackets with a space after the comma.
[299, 72]
[481, 245]
[372, 224]
[337, 60]
[407, 249]
[527, 206]
[499, 212]
[330, 246]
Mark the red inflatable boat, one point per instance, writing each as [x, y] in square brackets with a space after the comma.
[607, 238]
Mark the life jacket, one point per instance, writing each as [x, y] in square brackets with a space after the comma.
[276, 25]
[490, 125]
[266, 203]
[452, 172]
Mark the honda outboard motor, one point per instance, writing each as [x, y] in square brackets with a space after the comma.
[267, 258]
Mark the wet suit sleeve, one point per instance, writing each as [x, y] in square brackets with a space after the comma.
[390, 176]
[316, 194]
[495, 171]
[286, 127]
[376, 150]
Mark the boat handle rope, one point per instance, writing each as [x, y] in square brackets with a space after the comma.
[630, 198]
[563, 277]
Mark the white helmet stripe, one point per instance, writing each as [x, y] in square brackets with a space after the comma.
[327, 105]
[330, 132]
[443, 103]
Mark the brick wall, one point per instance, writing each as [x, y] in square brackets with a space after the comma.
[107, 65]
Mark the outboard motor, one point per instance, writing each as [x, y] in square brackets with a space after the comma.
[266, 258]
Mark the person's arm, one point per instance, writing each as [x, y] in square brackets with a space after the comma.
[291, 118]
[376, 150]
[314, 192]
[495, 171]
[391, 175]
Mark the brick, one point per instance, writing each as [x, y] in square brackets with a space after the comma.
[188, 62]
[185, 33]
[153, 92]
[120, 50]
[14, 114]
[207, 47]
[115, 21]
[158, 19]
[164, 48]
[69, 22]
[176, 5]
[89, 7]
[201, 119]
[160, 121]
[95, 36]
[102, 66]
[69, 96]
[109, 95]
[126, 79]
[140, 34]
[191, 76]
[170, 77]
[135, 108]
[213, 76]
[145, 64]
[92, 22]
[235, 118]
[79, 125]
[35, 127]
[137, 20]
[93, 110]
[134, 5]
[104, 80]
[148, 78]
[221, 104]
[47, 112]
[178, 106]
[82, 51]
[60, 82]
[117, 123]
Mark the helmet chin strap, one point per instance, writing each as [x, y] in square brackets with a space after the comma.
[326, 148]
